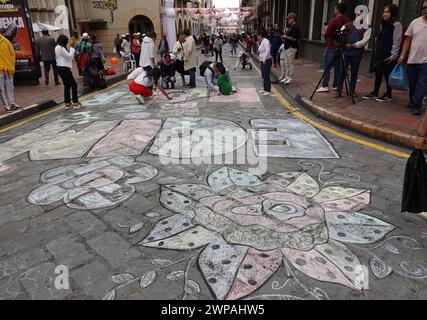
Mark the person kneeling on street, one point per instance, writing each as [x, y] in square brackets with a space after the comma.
[212, 73]
[167, 69]
[142, 82]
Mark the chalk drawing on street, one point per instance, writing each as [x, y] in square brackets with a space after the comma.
[100, 183]
[290, 138]
[245, 228]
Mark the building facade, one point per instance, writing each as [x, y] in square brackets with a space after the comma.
[312, 14]
[106, 18]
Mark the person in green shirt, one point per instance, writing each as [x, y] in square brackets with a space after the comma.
[224, 82]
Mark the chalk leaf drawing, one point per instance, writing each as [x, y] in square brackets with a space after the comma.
[98, 184]
[246, 228]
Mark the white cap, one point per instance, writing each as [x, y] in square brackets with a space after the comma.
[85, 35]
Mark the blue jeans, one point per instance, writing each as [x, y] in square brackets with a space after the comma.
[327, 59]
[266, 71]
[192, 73]
[165, 84]
[234, 49]
[353, 62]
[417, 74]
[47, 65]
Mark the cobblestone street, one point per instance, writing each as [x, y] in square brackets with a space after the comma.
[93, 191]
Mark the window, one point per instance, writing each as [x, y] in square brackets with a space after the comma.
[409, 10]
[318, 19]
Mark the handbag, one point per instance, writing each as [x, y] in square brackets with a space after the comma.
[398, 79]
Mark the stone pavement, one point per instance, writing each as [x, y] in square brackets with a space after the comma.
[387, 121]
[32, 98]
[111, 194]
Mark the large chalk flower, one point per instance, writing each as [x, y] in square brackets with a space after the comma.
[101, 183]
[247, 226]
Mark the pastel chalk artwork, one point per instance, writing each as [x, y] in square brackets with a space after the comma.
[246, 228]
[244, 95]
[100, 183]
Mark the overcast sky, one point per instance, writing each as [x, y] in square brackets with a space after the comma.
[226, 3]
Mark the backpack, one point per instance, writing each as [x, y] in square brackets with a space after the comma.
[205, 65]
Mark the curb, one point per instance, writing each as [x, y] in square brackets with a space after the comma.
[48, 104]
[398, 138]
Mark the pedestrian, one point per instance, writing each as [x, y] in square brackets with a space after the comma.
[84, 52]
[118, 44]
[334, 25]
[164, 45]
[264, 52]
[167, 69]
[249, 44]
[386, 52]
[416, 45]
[126, 44]
[136, 48]
[289, 49]
[211, 44]
[218, 44]
[190, 58]
[234, 40]
[178, 51]
[64, 60]
[98, 53]
[7, 69]
[276, 42]
[224, 82]
[206, 43]
[356, 41]
[46, 48]
[148, 52]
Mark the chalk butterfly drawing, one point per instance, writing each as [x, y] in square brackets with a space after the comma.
[246, 228]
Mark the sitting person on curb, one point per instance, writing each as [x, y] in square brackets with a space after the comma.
[142, 82]
[167, 69]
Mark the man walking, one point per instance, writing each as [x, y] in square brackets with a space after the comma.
[136, 48]
[7, 68]
[190, 58]
[415, 45]
[290, 46]
[164, 45]
[46, 46]
[331, 46]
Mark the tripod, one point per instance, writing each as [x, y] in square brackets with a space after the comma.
[340, 63]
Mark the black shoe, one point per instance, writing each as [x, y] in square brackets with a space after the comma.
[384, 98]
[338, 95]
[172, 85]
[409, 106]
[416, 111]
[371, 96]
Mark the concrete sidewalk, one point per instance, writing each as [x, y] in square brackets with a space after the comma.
[387, 121]
[34, 99]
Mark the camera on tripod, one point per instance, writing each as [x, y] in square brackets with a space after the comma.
[340, 35]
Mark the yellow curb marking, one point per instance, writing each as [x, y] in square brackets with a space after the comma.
[334, 132]
[56, 109]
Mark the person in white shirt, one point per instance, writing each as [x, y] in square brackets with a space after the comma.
[126, 44]
[178, 52]
[64, 61]
[148, 51]
[142, 82]
[264, 52]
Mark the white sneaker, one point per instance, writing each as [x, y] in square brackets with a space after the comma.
[288, 81]
[423, 215]
[283, 80]
[233, 89]
[323, 89]
[266, 94]
[262, 91]
[140, 99]
[335, 89]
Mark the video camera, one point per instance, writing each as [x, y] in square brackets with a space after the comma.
[340, 35]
